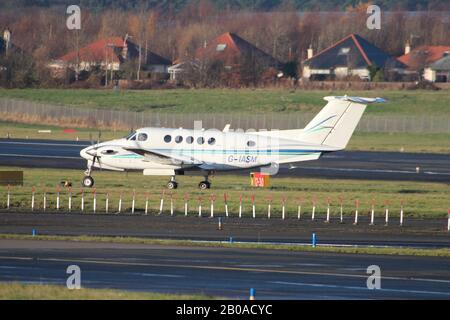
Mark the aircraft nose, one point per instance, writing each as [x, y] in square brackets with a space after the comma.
[88, 153]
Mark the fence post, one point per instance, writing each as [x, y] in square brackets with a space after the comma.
[32, 198]
[372, 213]
[356, 212]
[283, 209]
[401, 213]
[161, 203]
[253, 206]
[386, 211]
[240, 207]
[107, 202]
[45, 199]
[341, 200]
[328, 211]
[146, 203]
[70, 199]
[94, 204]
[225, 199]
[82, 200]
[299, 209]
[8, 198]
[269, 205]
[57, 198]
[448, 220]
[133, 201]
[120, 203]
[213, 198]
[313, 213]
[186, 199]
[199, 207]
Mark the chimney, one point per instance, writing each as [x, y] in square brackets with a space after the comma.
[7, 38]
[407, 48]
[310, 52]
[125, 47]
[205, 44]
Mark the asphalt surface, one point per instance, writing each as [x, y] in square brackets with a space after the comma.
[226, 272]
[423, 233]
[343, 165]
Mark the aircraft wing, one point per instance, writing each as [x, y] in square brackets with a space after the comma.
[165, 156]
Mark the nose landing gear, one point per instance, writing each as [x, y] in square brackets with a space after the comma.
[172, 184]
[87, 182]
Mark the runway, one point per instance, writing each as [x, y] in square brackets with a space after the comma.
[224, 272]
[343, 164]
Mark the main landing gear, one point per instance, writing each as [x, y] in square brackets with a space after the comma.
[203, 185]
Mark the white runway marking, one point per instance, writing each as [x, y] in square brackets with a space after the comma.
[330, 286]
[371, 170]
[154, 275]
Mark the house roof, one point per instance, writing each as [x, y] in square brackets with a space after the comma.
[229, 46]
[423, 55]
[353, 51]
[442, 64]
[111, 49]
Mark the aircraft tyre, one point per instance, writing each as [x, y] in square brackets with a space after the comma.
[172, 185]
[204, 185]
[87, 182]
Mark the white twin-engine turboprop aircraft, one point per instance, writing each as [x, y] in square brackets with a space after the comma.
[171, 152]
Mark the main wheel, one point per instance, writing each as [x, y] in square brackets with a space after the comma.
[87, 182]
[204, 185]
[172, 185]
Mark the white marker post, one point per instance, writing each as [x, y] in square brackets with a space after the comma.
[372, 213]
[45, 199]
[269, 206]
[199, 207]
[328, 211]
[299, 209]
[94, 203]
[356, 212]
[240, 207]
[401, 213]
[341, 210]
[225, 199]
[33, 190]
[283, 208]
[213, 198]
[120, 203]
[313, 213]
[82, 200]
[146, 203]
[161, 204]
[186, 199]
[448, 222]
[133, 201]
[57, 198]
[107, 202]
[70, 199]
[253, 207]
[386, 211]
[8, 198]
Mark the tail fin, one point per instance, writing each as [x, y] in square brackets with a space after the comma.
[335, 123]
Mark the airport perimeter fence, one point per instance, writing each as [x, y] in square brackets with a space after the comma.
[93, 201]
[105, 118]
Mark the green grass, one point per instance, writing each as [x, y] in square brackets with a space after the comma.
[402, 251]
[420, 199]
[18, 291]
[406, 102]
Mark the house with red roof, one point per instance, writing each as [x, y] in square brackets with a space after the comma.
[350, 56]
[431, 61]
[110, 54]
[231, 50]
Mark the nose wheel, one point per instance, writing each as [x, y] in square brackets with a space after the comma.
[87, 182]
[172, 184]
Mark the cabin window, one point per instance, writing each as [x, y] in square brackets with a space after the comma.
[168, 138]
[189, 139]
[128, 137]
[211, 141]
[251, 143]
[108, 152]
[178, 139]
[142, 137]
[200, 140]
